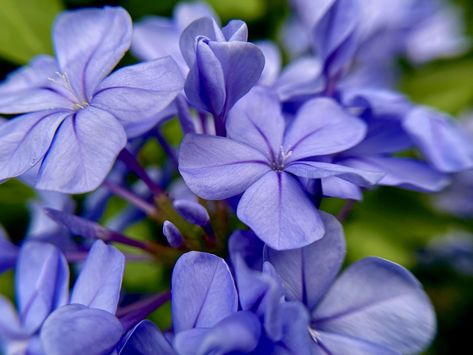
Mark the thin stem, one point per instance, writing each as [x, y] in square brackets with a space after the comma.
[166, 147]
[134, 313]
[184, 115]
[134, 199]
[346, 210]
[132, 163]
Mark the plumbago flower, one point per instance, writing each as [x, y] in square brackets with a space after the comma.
[8, 252]
[71, 104]
[325, 314]
[51, 322]
[206, 319]
[262, 157]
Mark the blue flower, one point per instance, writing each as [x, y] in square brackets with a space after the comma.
[77, 119]
[52, 322]
[373, 307]
[262, 158]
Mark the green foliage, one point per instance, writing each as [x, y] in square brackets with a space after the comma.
[25, 27]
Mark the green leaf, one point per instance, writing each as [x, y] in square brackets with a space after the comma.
[244, 9]
[25, 28]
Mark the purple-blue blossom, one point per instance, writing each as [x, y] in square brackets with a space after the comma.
[263, 158]
[70, 103]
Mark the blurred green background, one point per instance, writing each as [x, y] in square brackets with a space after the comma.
[390, 223]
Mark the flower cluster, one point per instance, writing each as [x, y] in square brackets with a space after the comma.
[255, 262]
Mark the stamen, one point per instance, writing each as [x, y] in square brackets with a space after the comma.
[314, 334]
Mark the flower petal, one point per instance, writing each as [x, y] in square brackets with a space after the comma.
[242, 64]
[135, 93]
[322, 127]
[76, 329]
[42, 283]
[203, 291]
[29, 88]
[308, 272]
[318, 170]
[8, 252]
[146, 339]
[99, 283]
[239, 332]
[79, 157]
[272, 62]
[440, 140]
[256, 120]
[280, 213]
[25, 140]
[338, 344]
[248, 246]
[397, 315]
[216, 168]
[10, 326]
[333, 186]
[403, 172]
[89, 43]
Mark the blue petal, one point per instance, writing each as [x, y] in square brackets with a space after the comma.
[403, 172]
[238, 333]
[192, 211]
[99, 283]
[216, 168]
[317, 170]
[272, 62]
[10, 327]
[280, 213]
[335, 35]
[334, 186]
[247, 245]
[256, 120]
[440, 140]
[308, 272]
[42, 283]
[337, 344]
[322, 127]
[136, 93]
[79, 159]
[76, 330]
[203, 291]
[261, 294]
[205, 84]
[397, 315]
[146, 339]
[25, 140]
[89, 43]
[29, 89]
[242, 64]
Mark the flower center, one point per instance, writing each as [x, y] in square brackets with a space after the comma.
[279, 162]
[62, 85]
[314, 334]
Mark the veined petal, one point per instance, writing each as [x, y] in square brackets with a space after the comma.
[79, 157]
[403, 172]
[257, 120]
[322, 127]
[99, 282]
[25, 140]
[10, 326]
[89, 43]
[203, 291]
[75, 329]
[239, 332]
[138, 92]
[146, 339]
[319, 170]
[242, 64]
[280, 213]
[29, 88]
[333, 186]
[440, 140]
[216, 168]
[205, 84]
[308, 272]
[339, 344]
[42, 283]
[397, 315]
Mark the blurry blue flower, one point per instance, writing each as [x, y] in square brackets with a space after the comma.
[71, 104]
[262, 159]
[351, 314]
[8, 251]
